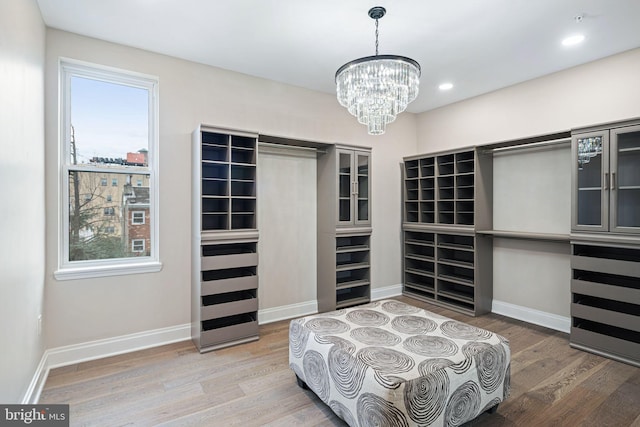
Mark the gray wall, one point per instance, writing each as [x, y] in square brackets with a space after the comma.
[84, 310]
[535, 275]
[22, 48]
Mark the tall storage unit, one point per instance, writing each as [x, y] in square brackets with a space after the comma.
[446, 197]
[605, 240]
[224, 307]
[344, 227]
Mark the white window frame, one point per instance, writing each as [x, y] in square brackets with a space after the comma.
[105, 267]
[133, 218]
[133, 245]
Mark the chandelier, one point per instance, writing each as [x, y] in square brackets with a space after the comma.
[375, 89]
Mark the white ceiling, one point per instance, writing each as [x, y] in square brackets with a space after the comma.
[478, 45]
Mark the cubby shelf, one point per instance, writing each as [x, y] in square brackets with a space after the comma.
[445, 273]
[440, 189]
[227, 165]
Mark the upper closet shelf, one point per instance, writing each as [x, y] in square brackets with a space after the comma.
[526, 235]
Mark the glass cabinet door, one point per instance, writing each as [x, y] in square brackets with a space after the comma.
[625, 180]
[590, 181]
[363, 206]
[345, 187]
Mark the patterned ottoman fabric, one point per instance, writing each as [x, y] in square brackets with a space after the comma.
[391, 364]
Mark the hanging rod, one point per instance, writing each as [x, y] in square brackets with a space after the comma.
[529, 145]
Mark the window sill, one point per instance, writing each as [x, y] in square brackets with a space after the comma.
[72, 273]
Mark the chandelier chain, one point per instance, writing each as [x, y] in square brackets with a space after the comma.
[376, 37]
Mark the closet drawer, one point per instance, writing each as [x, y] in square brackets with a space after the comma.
[215, 311]
[229, 285]
[228, 329]
[603, 265]
[606, 316]
[620, 349]
[228, 261]
[603, 290]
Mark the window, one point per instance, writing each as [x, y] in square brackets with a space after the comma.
[137, 217]
[108, 117]
[137, 245]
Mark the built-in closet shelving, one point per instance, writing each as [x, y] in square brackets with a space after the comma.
[446, 196]
[605, 306]
[605, 240]
[440, 189]
[224, 239]
[344, 227]
[353, 283]
[446, 268]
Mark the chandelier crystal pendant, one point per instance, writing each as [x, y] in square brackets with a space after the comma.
[375, 89]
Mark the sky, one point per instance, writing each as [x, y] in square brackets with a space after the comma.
[110, 120]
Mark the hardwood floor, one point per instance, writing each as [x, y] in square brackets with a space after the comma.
[252, 385]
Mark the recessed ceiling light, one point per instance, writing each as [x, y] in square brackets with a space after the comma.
[573, 40]
[445, 86]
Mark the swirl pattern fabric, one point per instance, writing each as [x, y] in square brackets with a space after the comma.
[491, 364]
[367, 318]
[315, 374]
[392, 364]
[426, 397]
[413, 324]
[346, 372]
[298, 336]
[375, 336]
[463, 405]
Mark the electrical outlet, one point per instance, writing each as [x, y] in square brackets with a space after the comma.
[39, 324]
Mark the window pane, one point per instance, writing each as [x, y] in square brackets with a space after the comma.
[137, 245]
[109, 123]
[98, 222]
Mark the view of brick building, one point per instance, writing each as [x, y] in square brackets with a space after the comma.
[112, 206]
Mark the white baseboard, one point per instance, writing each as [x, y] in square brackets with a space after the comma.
[531, 315]
[386, 292]
[284, 312]
[76, 353]
[32, 395]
